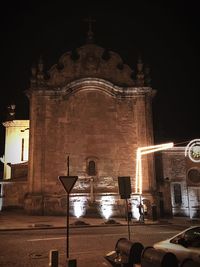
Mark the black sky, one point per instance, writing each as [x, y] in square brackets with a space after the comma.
[166, 35]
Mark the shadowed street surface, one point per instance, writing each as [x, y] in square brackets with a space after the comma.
[88, 245]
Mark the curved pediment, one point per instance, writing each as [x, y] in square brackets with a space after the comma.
[95, 84]
[90, 61]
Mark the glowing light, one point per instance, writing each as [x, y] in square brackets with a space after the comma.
[135, 210]
[106, 211]
[79, 207]
[106, 206]
[143, 151]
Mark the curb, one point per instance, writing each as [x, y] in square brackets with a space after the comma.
[45, 227]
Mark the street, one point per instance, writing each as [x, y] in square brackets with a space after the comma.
[88, 245]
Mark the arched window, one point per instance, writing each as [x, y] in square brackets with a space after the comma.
[177, 193]
[194, 175]
[91, 168]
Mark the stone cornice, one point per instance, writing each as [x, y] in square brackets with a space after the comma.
[91, 84]
[16, 123]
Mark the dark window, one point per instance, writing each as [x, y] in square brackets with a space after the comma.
[177, 194]
[198, 195]
[194, 175]
[189, 238]
[91, 168]
[192, 237]
[22, 150]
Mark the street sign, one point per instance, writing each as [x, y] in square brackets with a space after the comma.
[124, 187]
[124, 184]
[68, 182]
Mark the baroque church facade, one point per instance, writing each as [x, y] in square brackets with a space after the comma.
[87, 118]
[91, 110]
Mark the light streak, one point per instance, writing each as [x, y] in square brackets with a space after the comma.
[143, 151]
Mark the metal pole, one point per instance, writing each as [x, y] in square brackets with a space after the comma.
[67, 237]
[189, 203]
[92, 190]
[142, 209]
[129, 235]
[67, 165]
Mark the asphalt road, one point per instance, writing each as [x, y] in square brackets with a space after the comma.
[28, 248]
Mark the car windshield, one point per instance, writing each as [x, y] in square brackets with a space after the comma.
[190, 238]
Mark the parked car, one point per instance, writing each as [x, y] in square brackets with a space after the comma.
[185, 245]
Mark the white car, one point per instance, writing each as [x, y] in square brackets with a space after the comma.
[185, 245]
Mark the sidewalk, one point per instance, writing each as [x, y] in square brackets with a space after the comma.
[17, 220]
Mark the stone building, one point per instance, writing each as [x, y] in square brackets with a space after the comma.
[91, 109]
[182, 175]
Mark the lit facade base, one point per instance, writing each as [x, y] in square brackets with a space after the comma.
[14, 196]
[37, 204]
[80, 205]
[104, 206]
[33, 204]
[101, 205]
[13, 193]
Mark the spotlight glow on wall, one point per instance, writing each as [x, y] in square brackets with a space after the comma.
[135, 210]
[143, 151]
[107, 206]
[79, 206]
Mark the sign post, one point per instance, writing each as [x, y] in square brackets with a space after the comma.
[124, 184]
[68, 183]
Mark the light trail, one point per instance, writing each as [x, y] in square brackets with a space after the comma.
[143, 151]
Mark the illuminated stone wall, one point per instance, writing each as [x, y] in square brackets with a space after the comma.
[87, 125]
[185, 193]
[13, 193]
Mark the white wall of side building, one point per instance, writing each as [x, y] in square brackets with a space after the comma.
[16, 144]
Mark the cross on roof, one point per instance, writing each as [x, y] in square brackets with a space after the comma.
[90, 32]
[90, 21]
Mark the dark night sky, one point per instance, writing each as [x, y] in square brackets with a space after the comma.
[166, 35]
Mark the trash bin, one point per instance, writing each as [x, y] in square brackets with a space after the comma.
[189, 263]
[154, 212]
[126, 253]
[152, 257]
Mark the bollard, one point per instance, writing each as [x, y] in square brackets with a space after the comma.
[53, 258]
[189, 263]
[126, 253]
[154, 212]
[129, 250]
[152, 257]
